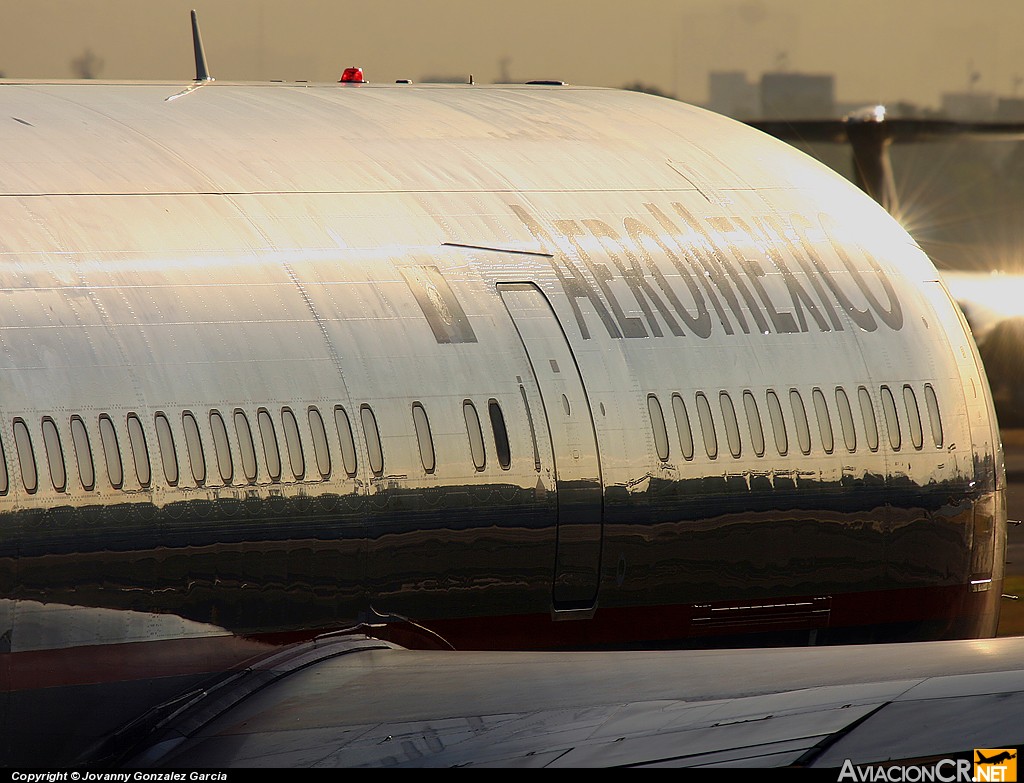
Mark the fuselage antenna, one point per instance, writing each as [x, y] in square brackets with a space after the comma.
[202, 72]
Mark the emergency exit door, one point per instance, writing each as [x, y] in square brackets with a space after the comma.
[574, 444]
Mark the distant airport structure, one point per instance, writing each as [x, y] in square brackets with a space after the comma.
[732, 94]
[795, 95]
[777, 95]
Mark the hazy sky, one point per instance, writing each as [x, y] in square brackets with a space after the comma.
[879, 50]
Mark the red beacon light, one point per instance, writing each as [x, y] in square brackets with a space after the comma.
[352, 76]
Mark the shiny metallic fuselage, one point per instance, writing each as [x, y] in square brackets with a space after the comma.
[577, 259]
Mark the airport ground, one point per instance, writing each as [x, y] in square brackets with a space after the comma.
[1011, 619]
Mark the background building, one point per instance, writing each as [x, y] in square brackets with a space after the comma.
[797, 95]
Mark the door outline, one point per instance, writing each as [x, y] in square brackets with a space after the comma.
[574, 446]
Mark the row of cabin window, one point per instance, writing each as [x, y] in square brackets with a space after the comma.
[293, 458]
[755, 429]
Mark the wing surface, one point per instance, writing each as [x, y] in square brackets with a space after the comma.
[745, 708]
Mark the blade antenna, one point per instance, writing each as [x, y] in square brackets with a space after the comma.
[202, 72]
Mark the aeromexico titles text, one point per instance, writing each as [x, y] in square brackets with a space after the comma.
[720, 282]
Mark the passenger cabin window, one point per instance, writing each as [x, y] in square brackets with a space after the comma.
[246, 446]
[320, 450]
[846, 419]
[5, 483]
[137, 440]
[803, 430]
[754, 423]
[374, 451]
[502, 448]
[221, 447]
[293, 443]
[476, 438]
[732, 427]
[707, 425]
[867, 414]
[271, 452]
[111, 452]
[932, 403]
[913, 417]
[54, 455]
[194, 446]
[824, 421]
[83, 453]
[165, 442]
[778, 422]
[348, 443]
[26, 456]
[423, 437]
[658, 426]
[892, 419]
[682, 426]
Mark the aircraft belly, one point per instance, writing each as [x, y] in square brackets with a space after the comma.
[476, 553]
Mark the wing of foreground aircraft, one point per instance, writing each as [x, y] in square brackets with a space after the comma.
[366, 703]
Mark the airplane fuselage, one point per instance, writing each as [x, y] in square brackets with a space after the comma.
[513, 368]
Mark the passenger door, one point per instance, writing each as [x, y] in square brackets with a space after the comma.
[574, 443]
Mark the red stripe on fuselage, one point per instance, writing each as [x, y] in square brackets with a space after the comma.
[946, 612]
